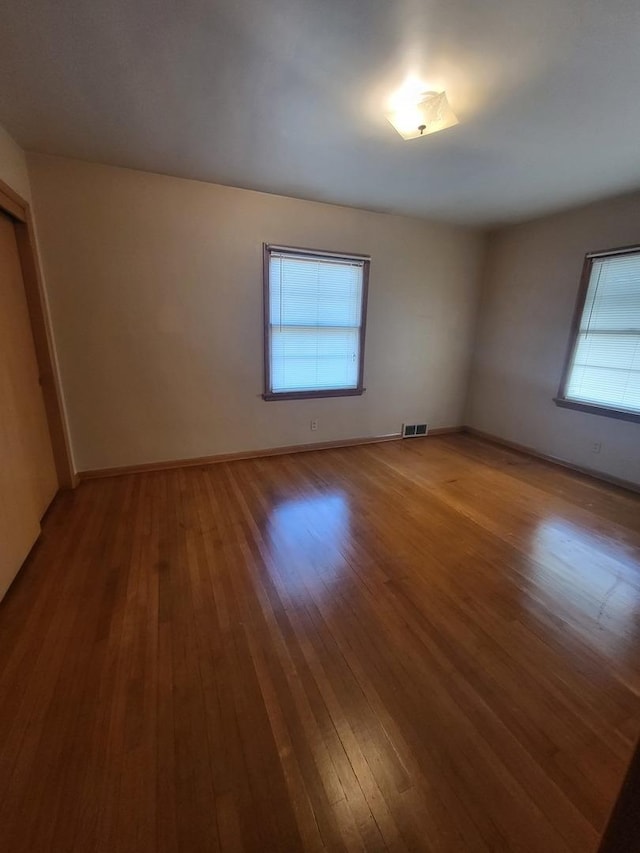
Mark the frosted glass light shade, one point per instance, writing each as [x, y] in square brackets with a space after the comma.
[430, 113]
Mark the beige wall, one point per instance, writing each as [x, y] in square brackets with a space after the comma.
[13, 165]
[529, 291]
[155, 287]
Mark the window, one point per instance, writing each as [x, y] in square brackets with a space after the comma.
[602, 374]
[315, 310]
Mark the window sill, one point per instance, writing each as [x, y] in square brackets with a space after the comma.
[313, 395]
[593, 409]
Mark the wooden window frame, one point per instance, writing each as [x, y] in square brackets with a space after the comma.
[561, 399]
[268, 394]
[19, 210]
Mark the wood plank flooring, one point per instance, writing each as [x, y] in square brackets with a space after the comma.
[423, 645]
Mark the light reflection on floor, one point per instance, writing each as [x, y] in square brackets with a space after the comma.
[579, 569]
[316, 529]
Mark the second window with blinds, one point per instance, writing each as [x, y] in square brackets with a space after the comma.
[602, 372]
[315, 317]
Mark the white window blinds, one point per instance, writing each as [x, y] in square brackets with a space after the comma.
[605, 365]
[315, 322]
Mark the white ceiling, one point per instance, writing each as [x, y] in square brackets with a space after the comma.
[288, 96]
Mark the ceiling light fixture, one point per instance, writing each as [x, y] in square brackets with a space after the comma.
[419, 115]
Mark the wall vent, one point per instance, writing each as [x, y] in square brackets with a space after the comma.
[414, 430]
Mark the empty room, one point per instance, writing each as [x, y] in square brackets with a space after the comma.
[319, 426]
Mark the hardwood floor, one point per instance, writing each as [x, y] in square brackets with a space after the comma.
[422, 645]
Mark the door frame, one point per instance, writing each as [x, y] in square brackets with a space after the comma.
[20, 212]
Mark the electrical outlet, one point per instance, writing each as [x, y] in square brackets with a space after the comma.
[596, 447]
[313, 426]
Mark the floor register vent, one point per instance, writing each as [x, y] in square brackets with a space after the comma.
[413, 430]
